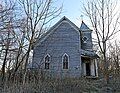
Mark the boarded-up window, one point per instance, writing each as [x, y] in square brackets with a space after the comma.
[47, 62]
[65, 61]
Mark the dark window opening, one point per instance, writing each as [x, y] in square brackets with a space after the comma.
[87, 69]
[65, 62]
[47, 65]
[47, 62]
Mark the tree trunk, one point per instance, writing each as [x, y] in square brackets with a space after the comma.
[106, 72]
[3, 66]
[25, 65]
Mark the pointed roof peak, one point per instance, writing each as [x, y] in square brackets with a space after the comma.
[64, 17]
[84, 27]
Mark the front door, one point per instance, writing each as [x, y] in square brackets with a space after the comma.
[87, 69]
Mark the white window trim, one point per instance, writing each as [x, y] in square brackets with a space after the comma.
[84, 41]
[62, 60]
[44, 59]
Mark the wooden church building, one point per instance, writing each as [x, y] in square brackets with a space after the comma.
[66, 51]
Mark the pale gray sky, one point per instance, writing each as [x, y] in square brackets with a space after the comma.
[73, 9]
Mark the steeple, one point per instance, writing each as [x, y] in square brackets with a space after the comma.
[86, 37]
[84, 27]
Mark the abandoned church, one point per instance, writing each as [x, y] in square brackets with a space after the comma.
[66, 51]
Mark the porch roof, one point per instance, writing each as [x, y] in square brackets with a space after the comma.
[90, 54]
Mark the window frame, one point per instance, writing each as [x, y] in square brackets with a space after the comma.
[84, 41]
[47, 63]
[66, 67]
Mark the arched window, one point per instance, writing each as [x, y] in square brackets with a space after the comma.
[47, 61]
[65, 61]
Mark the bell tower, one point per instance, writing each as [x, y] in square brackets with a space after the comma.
[86, 37]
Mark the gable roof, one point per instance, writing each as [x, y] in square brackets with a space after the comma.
[84, 27]
[52, 29]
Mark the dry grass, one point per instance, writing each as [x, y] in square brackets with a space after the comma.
[36, 84]
[67, 85]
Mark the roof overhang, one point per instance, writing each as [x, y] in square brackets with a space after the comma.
[89, 54]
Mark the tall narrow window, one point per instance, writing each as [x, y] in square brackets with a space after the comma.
[47, 62]
[65, 61]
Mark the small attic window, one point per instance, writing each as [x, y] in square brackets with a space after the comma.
[84, 39]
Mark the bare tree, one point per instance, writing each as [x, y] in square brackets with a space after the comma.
[105, 21]
[21, 46]
[6, 37]
[19, 33]
[114, 52]
[38, 13]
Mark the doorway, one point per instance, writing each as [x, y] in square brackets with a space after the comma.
[88, 69]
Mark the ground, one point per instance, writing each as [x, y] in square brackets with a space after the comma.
[68, 85]
[39, 83]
